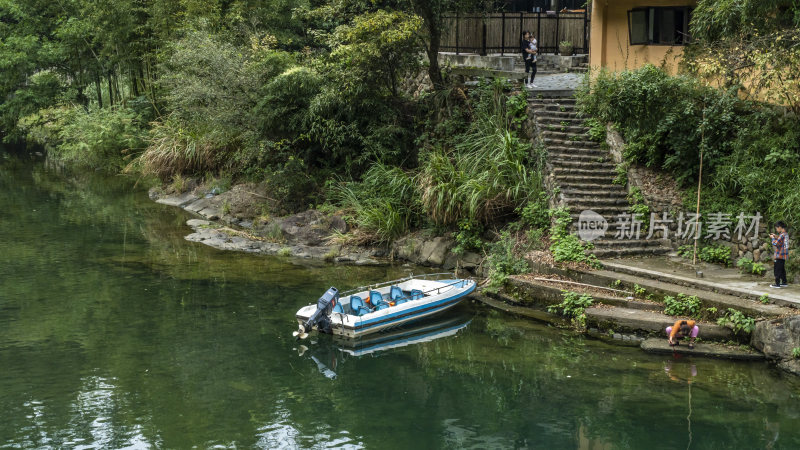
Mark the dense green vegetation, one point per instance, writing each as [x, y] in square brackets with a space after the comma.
[750, 149]
[327, 102]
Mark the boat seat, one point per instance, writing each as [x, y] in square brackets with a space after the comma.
[358, 306]
[376, 298]
[395, 293]
[338, 307]
[416, 294]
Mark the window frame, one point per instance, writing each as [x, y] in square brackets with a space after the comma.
[652, 18]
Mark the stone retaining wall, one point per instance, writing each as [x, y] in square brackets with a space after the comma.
[662, 195]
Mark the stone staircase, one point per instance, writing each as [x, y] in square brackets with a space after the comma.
[584, 173]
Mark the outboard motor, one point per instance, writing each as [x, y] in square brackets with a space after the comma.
[321, 317]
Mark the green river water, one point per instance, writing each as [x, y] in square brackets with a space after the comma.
[115, 332]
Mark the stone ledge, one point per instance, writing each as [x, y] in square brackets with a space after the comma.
[628, 319]
[704, 285]
[661, 346]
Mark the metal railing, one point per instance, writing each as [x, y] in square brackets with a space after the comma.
[427, 276]
[502, 32]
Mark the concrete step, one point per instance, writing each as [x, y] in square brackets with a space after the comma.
[553, 101]
[608, 241]
[701, 284]
[565, 157]
[600, 200]
[582, 186]
[540, 107]
[636, 320]
[563, 135]
[613, 191]
[604, 253]
[608, 212]
[546, 119]
[571, 163]
[577, 130]
[567, 144]
[578, 180]
[661, 346]
[583, 171]
[712, 294]
[555, 114]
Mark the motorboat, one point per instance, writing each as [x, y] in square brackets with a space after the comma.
[371, 309]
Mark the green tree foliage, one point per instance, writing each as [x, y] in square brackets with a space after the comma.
[751, 149]
[749, 44]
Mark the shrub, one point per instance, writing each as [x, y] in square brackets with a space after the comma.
[737, 321]
[708, 253]
[504, 261]
[751, 150]
[101, 138]
[565, 246]
[684, 305]
[573, 306]
[468, 237]
[746, 265]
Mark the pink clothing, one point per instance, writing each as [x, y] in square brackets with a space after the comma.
[695, 330]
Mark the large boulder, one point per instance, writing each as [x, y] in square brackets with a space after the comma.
[435, 251]
[777, 339]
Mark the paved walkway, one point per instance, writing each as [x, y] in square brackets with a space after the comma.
[565, 83]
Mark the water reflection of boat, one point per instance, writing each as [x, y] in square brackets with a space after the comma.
[372, 309]
[328, 356]
[422, 332]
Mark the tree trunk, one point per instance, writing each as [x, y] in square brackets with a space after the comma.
[99, 90]
[434, 72]
[110, 91]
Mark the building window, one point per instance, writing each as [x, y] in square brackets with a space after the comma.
[665, 26]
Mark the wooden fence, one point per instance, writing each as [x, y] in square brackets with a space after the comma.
[501, 32]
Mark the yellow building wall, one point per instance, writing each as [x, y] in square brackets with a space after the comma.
[610, 46]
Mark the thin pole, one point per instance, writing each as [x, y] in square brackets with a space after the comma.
[457, 31]
[503, 35]
[699, 183]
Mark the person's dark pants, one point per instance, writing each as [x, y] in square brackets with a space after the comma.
[780, 271]
[530, 66]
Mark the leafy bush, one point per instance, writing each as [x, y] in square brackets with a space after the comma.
[504, 261]
[737, 321]
[565, 246]
[573, 306]
[536, 213]
[746, 265]
[708, 253]
[639, 208]
[751, 150]
[684, 305]
[98, 138]
[597, 130]
[468, 237]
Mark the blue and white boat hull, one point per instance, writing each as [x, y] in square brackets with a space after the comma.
[437, 296]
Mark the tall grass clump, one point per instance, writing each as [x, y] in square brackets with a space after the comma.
[385, 203]
[175, 150]
[487, 173]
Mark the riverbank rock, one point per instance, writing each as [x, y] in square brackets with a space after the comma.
[777, 339]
